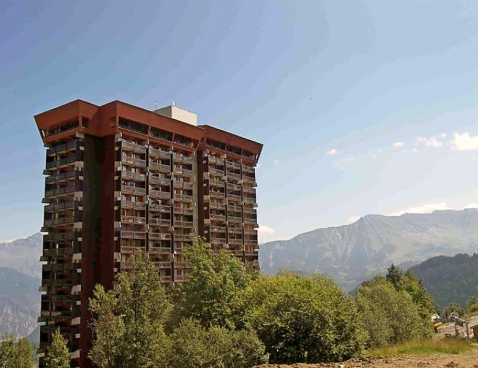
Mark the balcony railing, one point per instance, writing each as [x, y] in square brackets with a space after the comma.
[165, 279]
[160, 208]
[218, 240]
[133, 219]
[59, 221]
[218, 217]
[183, 197]
[234, 197]
[60, 206]
[247, 169]
[133, 205]
[60, 191]
[233, 165]
[159, 194]
[183, 223]
[60, 177]
[236, 241]
[61, 147]
[159, 167]
[133, 176]
[60, 162]
[57, 252]
[158, 180]
[215, 160]
[59, 237]
[182, 237]
[162, 264]
[133, 235]
[126, 189]
[182, 171]
[183, 211]
[236, 219]
[233, 175]
[158, 153]
[159, 236]
[159, 250]
[216, 171]
[216, 194]
[128, 146]
[160, 222]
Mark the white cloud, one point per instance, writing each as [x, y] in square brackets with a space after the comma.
[464, 142]
[427, 208]
[275, 162]
[443, 135]
[471, 205]
[430, 142]
[352, 219]
[332, 152]
[265, 233]
[398, 144]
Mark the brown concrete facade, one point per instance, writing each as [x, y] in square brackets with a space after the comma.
[121, 179]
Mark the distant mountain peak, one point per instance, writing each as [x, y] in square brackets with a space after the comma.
[352, 253]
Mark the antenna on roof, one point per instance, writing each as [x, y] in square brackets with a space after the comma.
[172, 103]
[156, 105]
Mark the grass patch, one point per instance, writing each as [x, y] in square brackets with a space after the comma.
[425, 347]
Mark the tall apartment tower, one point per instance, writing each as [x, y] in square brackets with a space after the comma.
[121, 178]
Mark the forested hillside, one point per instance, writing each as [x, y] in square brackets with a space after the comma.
[449, 279]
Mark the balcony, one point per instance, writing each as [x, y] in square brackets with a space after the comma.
[247, 169]
[251, 190]
[215, 160]
[182, 237]
[59, 221]
[235, 219]
[60, 206]
[183, 211]
[180, 265]
[162, 264]
[60, 191]
[60, 177]
[216, 194]
[128, 146]
[159, 236]
[153, 152]
[218, 240]
[180, 278]
[234, 197]
[233, 165]
[133, 205]
[182, 171]
[61, 162]
[128, 160]
[59, 237]
[133, 235]
[187, 224]
[133, 220]
[133, 176]
[158, 180]
[159, 194]
[126, 189]
[213, 170]
[183, 197]
[159, 208]
[165, 279]
[55, 252]
[236, 241]
[250, 180]
[217, 206]
[235, 176]
[61, 147]
[160, 222]
[217, 217]
[155, 166]
[250, 200]
[159, 250]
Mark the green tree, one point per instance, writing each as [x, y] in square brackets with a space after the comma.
[15, 353]
[215, 287]
[194, 346]
[303, 319]
[453, 307]
[58, 355]
[394, 275]
[472, 305]
[128, 320]
[389, 316]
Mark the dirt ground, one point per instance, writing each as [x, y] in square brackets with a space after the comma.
[465, 360]
[468, 360]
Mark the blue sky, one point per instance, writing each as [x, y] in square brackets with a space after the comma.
[362, 106]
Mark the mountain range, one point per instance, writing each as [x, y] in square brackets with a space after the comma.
[353, 253]
[20, 272]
